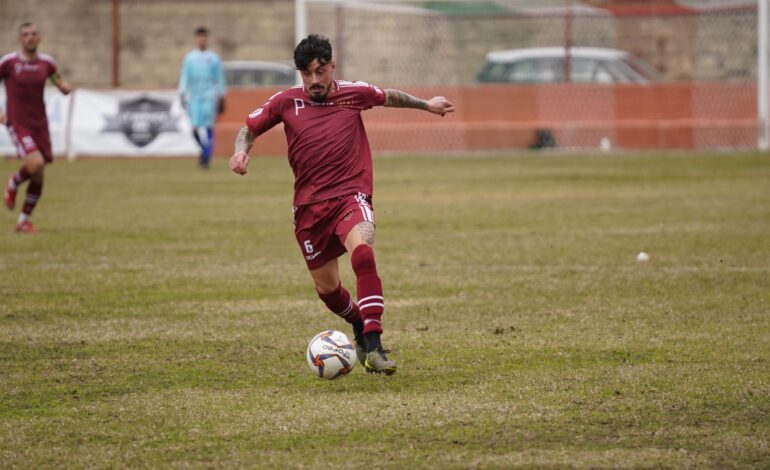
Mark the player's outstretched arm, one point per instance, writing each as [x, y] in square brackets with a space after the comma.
[240, 159]
[61, 84]
[436, 105]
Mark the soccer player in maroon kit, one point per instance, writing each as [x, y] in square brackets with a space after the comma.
[332, 163]
[25, 74]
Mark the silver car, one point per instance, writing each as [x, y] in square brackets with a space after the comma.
[547, 65]
[255, 73]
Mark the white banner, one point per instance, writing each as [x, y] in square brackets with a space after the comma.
[57, 109]
[113, 123]
[130, 123]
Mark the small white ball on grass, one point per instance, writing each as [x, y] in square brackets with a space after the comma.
[642, 257]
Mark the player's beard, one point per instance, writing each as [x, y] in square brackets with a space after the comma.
[319, 98]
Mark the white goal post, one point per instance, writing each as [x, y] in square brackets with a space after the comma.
[763, 105]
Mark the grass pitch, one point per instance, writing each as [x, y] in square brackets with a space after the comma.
[160, 318]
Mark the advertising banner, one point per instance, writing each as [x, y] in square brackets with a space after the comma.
[130, 123]
[113, 123]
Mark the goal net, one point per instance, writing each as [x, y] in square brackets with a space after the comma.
[601, 74]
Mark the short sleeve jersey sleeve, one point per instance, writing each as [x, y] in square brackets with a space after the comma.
[371, 95]
[5, 66]
[52, 70]
[50, 65]
[266, 116]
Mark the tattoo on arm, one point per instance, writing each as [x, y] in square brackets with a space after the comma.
[244, 140]
[399, 99]
[59, 82]
[366, 230]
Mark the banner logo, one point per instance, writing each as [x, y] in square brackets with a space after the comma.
[142, 119]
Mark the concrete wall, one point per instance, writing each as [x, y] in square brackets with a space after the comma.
[401, 47]
[409, 48]
[77, 33]
[154, 37]
[159, 33]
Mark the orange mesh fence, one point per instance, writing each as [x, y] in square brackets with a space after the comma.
[502, 117]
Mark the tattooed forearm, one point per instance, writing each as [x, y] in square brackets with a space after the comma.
[244, 140]
[366, 230]
[399, 99]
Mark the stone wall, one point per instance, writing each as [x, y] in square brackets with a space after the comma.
[402, 46]
[155, 35]
[668, 43]
[399, 46]
[726, 46]
[77, 33]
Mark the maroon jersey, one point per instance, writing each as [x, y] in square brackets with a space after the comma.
[24, 85]
[328, 149]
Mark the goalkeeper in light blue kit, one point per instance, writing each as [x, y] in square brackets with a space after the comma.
[202, 90]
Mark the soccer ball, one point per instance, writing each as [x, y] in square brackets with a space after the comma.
[330, 354]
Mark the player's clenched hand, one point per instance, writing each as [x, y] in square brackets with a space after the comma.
[440, 105]
[238, 162]
[3, 118]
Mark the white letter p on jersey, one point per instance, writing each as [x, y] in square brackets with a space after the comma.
[298, 104]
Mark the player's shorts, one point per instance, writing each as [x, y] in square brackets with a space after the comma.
[322, 228]
[28, 140]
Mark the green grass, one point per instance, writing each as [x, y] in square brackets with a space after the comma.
[159, 318]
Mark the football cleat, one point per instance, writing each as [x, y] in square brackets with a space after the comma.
[378, 363]
[25, 227]
[9, 197]
[360, 342]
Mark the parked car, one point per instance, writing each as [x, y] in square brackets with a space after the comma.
[254, 73]
[546, 65]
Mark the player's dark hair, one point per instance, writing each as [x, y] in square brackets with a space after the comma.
[201, 30]
[312, 47]
[26, 24]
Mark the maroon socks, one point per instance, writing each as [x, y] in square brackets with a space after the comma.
[341, 304]
[34, 190]
[369, 287]
[19, 177]
[366, 317]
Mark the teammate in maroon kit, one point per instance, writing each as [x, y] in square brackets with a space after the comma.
[25, 74]
[332, 163]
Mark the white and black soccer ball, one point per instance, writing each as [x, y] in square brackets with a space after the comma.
[330, 354]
